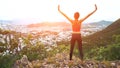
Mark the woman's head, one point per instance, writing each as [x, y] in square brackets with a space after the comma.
[76, 15]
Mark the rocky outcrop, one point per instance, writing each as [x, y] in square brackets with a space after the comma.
[23, 63]
[61, 60]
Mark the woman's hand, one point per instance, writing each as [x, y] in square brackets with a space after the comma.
[58, 7]
[95, 7]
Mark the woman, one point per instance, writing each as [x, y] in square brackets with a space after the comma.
[76, 27]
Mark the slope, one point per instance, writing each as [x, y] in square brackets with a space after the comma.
[105, 36]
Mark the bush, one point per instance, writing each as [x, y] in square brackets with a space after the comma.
[111, 52]
[34, 52]
[7, 61]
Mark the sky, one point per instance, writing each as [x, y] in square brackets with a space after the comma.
[46, 10]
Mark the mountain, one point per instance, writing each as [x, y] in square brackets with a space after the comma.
[105, 36]
[50, 24]
[102, 22]
[99, 23]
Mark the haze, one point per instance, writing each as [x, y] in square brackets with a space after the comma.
[46, 10]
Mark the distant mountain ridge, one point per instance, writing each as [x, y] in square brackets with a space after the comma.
[102, 23]
[106, 35]
[19, 22]
[42, 24]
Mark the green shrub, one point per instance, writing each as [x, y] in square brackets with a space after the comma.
[7, 61]
[110, 52]
[34, 52]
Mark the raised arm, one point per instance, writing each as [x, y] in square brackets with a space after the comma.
[90, 13]
[64, 14]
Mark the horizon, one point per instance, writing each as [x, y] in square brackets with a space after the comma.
[28, 22]
[34, 11]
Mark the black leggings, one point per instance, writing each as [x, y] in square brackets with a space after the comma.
[76, 38]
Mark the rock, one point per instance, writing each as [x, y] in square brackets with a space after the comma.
[61, 60]
[113, 65]
[89, 64]
[23, 63]
[118, 64]
[101, 65]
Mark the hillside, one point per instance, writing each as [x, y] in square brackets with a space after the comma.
[102, 22]
[105, 36]
[43, 24]
[37, 55]
[52, 24]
